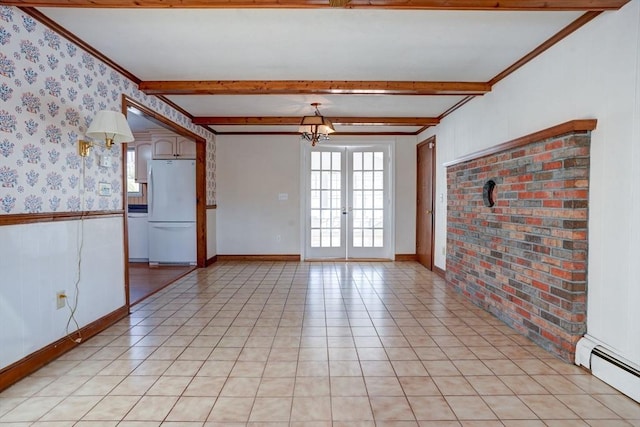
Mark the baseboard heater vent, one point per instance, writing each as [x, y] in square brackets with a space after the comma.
[609, 367]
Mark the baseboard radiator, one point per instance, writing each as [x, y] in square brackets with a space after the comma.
[609, 367]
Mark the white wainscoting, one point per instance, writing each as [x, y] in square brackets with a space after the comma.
[39, 259]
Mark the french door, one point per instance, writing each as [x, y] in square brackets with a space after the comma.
[348, 202]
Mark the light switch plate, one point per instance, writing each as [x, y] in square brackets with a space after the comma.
[283, 196]
[104, 161]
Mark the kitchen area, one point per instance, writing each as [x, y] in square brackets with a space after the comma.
[161, 189]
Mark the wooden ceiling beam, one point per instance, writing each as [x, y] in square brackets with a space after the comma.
[322, 87]
[382, 133]
[247, 121]
[385, 121]
[294, 121]
[513, 5]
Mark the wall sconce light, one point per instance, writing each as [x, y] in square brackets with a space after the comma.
[110, 126]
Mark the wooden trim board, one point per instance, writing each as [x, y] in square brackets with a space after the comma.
[440, 272]
[349, 260]
[406, 257]
[293, 258]
[201, 197]
[513, 5]
[158, 118]
[19, 219]
[295, 121]
[317, 87]
[287, 257]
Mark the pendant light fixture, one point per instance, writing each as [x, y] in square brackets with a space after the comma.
[315, 128]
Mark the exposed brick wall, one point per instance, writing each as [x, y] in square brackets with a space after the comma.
[525, 258]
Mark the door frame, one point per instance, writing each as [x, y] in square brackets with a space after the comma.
[201, 173]
[429, 141]
[389, 145]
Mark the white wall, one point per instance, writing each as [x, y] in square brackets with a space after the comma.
[253, 170]
[37, 260]
[405, 187]
[594, 73]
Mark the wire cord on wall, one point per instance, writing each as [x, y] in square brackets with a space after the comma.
[74, 307]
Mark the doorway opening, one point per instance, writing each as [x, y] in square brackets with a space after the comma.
[144, 275]
[348, 201]
[145, 280]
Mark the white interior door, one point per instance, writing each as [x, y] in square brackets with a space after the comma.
[348, 202]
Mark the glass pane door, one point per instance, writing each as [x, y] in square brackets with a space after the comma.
[368, 202]
[326, 238]
[348, 203]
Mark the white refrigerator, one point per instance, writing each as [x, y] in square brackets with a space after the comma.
[172, 211]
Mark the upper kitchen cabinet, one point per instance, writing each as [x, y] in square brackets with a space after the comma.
[164, 147]
[143, 155]
[186, 148]
[143, 150]
[173, 147]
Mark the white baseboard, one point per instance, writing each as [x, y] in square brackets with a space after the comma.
[611, 368]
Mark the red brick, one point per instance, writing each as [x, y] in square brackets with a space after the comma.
[539, 285]
[553, 203]
[543, 157]
[540, 225]
[554, 145]
[552, 165]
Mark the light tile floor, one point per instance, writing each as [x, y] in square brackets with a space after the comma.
[311, 344]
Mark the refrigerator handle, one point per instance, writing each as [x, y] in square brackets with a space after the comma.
[150, 189]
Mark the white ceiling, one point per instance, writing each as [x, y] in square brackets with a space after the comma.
[295, 105]
[312, 44]
[323, 44]
[139, 123]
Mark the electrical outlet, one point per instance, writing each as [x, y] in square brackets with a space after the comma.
[104, 189]
[61, 297]
[278, 238]
[444, 251]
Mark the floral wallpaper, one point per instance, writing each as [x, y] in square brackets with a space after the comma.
[50, 90]
[211, 172]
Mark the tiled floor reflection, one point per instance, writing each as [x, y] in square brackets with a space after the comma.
[311, 344]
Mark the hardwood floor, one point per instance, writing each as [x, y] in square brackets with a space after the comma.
[145, 281]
